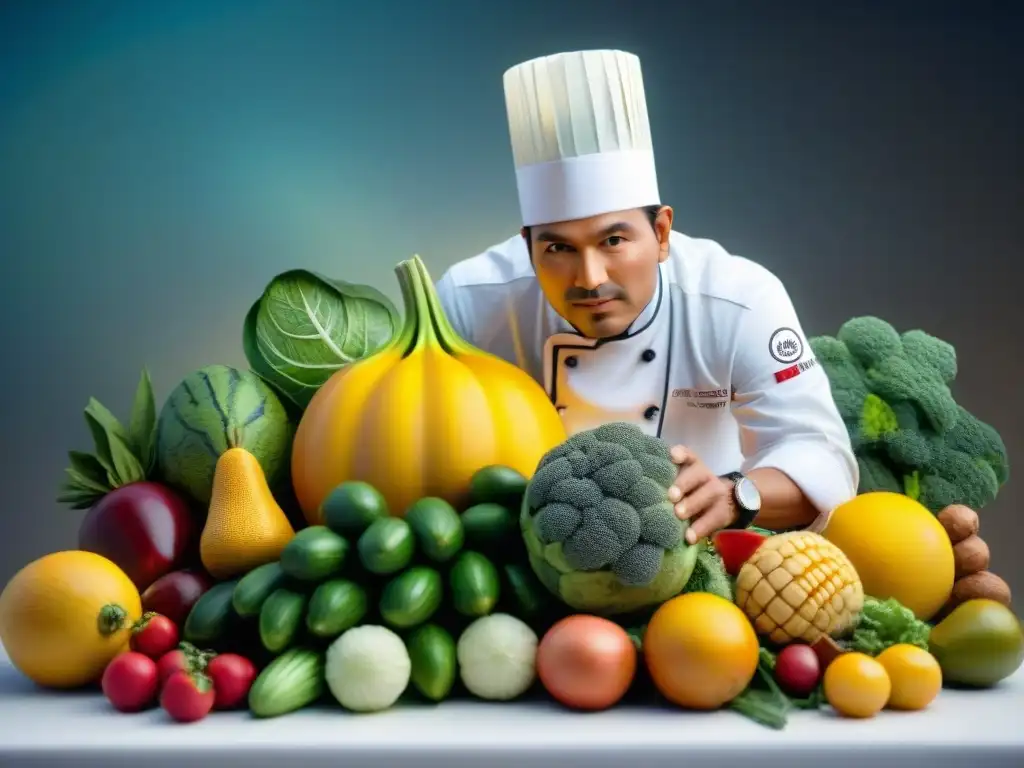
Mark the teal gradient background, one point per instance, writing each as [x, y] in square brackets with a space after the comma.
[160, 162]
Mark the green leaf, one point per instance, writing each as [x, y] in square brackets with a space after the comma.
[142, 426]
[126, 463]
[84, 482]
[77, 498]
[101, 440]
[305, 327]
[88, 466]
[762, 707]
[105, 418]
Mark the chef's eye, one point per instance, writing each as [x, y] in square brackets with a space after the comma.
[558, 248]
[614, 241]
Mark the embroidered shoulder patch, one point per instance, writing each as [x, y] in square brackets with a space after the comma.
[794, 370]
[785, 345]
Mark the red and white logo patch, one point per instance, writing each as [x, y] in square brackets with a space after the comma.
[794, 370]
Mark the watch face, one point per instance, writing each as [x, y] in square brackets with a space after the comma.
[747, 495]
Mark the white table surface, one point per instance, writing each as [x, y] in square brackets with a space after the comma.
[960, 729]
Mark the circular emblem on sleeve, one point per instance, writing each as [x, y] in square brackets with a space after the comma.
[785, 345]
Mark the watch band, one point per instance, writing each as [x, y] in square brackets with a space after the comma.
[745, 515]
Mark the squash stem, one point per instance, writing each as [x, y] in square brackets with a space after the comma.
[418, 331]
[111, 619]
[446, 334]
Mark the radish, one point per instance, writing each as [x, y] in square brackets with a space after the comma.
[187, 696]
[130, 682]
[154, 635]
[232, 677]
[797, 670]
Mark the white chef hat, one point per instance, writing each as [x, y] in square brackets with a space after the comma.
[581, 139]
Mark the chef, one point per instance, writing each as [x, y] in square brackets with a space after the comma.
[620, 318]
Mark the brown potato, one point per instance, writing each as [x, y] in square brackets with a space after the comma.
[981, 585]
[959, 521]
[970, 556]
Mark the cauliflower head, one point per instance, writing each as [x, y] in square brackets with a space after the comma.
[599, 528]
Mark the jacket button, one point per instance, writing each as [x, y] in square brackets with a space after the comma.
[571, 361]
[651, 412]
[648, 355]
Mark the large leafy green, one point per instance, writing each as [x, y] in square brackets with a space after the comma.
[305, 327]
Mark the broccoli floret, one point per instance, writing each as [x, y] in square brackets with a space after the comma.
[709, 574]
[893, 393]
[602, 495]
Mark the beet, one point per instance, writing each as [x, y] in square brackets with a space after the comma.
[145, 528]
[174, 594]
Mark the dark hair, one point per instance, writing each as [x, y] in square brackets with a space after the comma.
[651, 211]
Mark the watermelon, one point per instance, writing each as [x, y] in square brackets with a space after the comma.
[213, 409]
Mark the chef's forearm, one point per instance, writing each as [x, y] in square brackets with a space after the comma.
[783, 504]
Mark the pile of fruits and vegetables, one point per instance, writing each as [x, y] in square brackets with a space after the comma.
[377, 514]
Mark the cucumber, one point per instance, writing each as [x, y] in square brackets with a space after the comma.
[335, 606]
[350, 508]
[411, 597]
[434, 661]
[491, 528]
[529, 598]
[281, 618]
[212, 615]
[293, 680]
[253, 588]
[436, 527]
[386, 546]
[497, 484]
[474, 584]
[314, 554]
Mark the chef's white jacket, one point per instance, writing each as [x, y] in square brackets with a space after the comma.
[717, 362]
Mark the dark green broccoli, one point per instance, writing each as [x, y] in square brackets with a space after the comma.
[893, 393]
[602, 496]
[600, 530]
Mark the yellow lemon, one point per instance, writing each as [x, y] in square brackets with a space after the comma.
[915, 676]
[898, 549]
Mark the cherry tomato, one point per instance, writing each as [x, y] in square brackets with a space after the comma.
[130, 682]
[187, 697]
[232, 677]
[586, 662]
[155, 635]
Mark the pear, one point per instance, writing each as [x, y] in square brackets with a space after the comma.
[245, 526]
[978, 644]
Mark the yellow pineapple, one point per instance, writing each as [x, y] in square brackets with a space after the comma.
[799, 586]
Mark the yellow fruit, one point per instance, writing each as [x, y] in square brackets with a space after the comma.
[245, 526]
[856, 685]
[64, 616]
[421, 416]
[798, 586]
[700, 650]
[898, 548]
[915, 676]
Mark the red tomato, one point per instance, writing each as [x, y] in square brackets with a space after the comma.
[154, 635]
[130, 682]
[175, 661]
[232, 677]
[187, 697]
[586, 662]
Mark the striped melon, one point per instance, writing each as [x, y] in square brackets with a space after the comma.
[212, 410]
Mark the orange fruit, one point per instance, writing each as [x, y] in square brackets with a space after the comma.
[915, 675]
[898, 548]
[64, 616]
[856, 685]
[700, 650]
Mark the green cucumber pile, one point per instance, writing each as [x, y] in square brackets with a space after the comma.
[424, 577]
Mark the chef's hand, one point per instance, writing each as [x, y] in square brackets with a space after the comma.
[700, 496]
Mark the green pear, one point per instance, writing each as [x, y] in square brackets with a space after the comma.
[978, 644]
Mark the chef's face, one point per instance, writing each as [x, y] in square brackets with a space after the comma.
[600, 273]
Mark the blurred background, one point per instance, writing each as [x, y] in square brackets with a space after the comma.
[161, 162]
